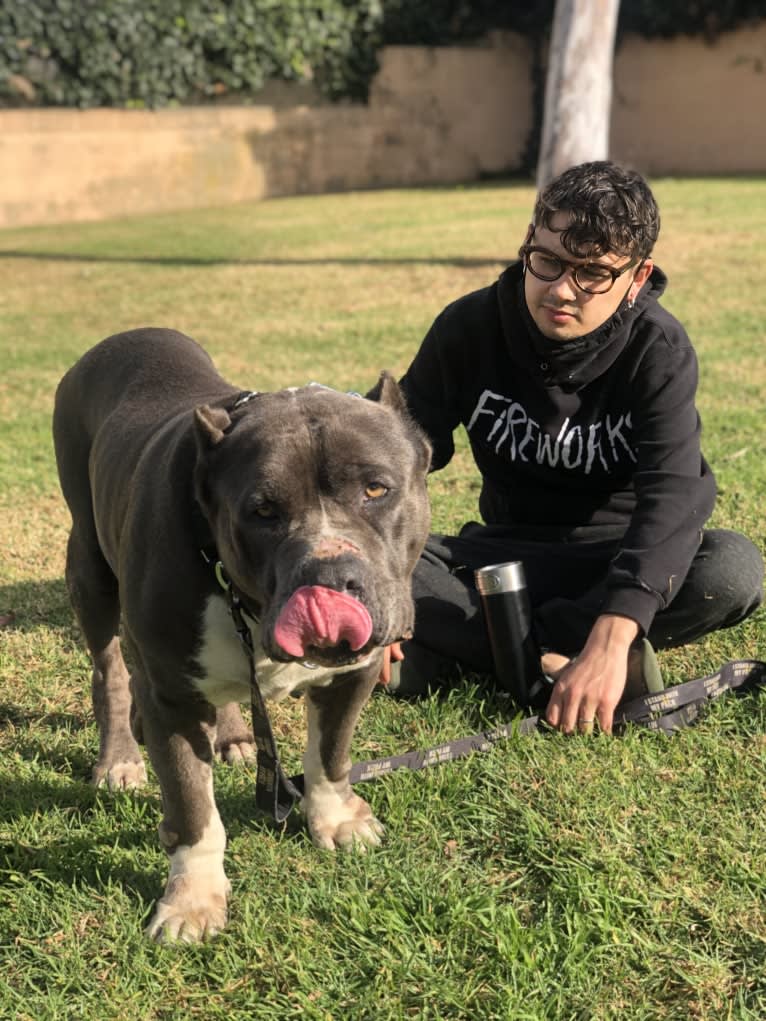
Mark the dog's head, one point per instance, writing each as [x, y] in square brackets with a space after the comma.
[318, 506]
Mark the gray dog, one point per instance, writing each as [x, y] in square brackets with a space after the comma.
[312, 502]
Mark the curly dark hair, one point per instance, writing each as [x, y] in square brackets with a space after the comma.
[611, 209]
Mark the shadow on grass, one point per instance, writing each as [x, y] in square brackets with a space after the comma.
[42, 739]
[103, 833]
[11, 713]
[28, 605]
[81, 851]
[458, 262]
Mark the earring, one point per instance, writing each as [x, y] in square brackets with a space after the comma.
[631, 303]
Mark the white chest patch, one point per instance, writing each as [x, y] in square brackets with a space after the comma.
[226, 671]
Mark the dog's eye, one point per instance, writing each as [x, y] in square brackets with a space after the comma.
[263, 509]
[375, 490]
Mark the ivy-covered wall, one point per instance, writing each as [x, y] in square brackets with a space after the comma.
[155, 53]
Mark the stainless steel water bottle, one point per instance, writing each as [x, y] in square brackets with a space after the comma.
[516, 655]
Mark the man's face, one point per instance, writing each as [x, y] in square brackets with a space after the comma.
[560, 309]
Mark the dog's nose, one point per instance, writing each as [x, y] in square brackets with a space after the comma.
[345, 573]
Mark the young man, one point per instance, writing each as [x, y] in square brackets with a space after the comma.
[577, 391]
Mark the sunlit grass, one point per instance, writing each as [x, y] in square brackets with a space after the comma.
[552, 879]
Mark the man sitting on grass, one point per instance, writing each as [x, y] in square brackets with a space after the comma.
[577, 391]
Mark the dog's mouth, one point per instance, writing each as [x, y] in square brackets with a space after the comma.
[321, 626]
[336, 656]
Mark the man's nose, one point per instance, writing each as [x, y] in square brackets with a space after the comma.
[564, 288]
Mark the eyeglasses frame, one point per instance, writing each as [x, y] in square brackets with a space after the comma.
[527, 249]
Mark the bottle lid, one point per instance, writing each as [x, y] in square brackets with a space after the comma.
[508, 577]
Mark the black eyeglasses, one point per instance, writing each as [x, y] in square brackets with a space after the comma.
[591, 277]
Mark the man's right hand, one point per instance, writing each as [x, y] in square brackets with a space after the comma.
[391, 653]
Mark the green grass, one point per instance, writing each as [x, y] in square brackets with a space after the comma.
[584, 878]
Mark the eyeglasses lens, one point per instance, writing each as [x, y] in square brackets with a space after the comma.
[591, 278]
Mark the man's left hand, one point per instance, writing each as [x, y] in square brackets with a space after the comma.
[589, 687]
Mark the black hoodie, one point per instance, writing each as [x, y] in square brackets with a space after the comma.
[582, 440]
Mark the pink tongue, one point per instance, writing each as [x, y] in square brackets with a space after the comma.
[322, 617]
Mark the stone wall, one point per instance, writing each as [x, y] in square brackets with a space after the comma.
[435, 116]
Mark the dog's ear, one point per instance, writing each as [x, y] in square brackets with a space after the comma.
[211, 424]
[386, 391]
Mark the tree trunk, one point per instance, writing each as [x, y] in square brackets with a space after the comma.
[578, 87]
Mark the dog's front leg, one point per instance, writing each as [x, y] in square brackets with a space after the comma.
[180, 742]
[336, 816]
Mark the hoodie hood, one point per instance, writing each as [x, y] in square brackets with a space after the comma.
[569, 365]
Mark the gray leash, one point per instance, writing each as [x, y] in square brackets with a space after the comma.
[668, 711]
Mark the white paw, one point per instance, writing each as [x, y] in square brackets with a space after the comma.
[120, 776]
[191, 910]
[337, 822]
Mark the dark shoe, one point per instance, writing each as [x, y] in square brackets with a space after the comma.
[644, 675]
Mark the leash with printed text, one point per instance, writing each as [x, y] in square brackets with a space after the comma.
[668, 711]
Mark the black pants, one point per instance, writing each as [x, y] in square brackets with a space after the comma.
[566, 589]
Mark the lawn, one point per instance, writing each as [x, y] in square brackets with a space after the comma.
[554, 878]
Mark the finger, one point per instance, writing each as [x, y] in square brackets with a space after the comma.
[585, 724]
[396, 651]
[587, 715]
[385, 667]
[606, 718]
[573, 710]
[553, 709]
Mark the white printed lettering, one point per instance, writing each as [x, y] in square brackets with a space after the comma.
[504, 424]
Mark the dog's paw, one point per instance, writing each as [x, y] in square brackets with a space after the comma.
[188, 913]
[236, 753]
[234, 742]
[341, 823]
[120, 776]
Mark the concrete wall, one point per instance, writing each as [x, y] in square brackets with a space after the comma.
[435, 116]
[684, 106]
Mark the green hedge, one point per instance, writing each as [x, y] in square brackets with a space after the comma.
[156, 52]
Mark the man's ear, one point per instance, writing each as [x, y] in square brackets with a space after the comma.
[527, 239]
[211, 424]
[640, 278]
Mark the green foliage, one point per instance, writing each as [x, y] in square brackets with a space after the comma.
[151, 53]
[444, 22]
[688, 17]
[125, 53]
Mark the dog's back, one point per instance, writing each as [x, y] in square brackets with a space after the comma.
[131, 382]
[145, 363]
